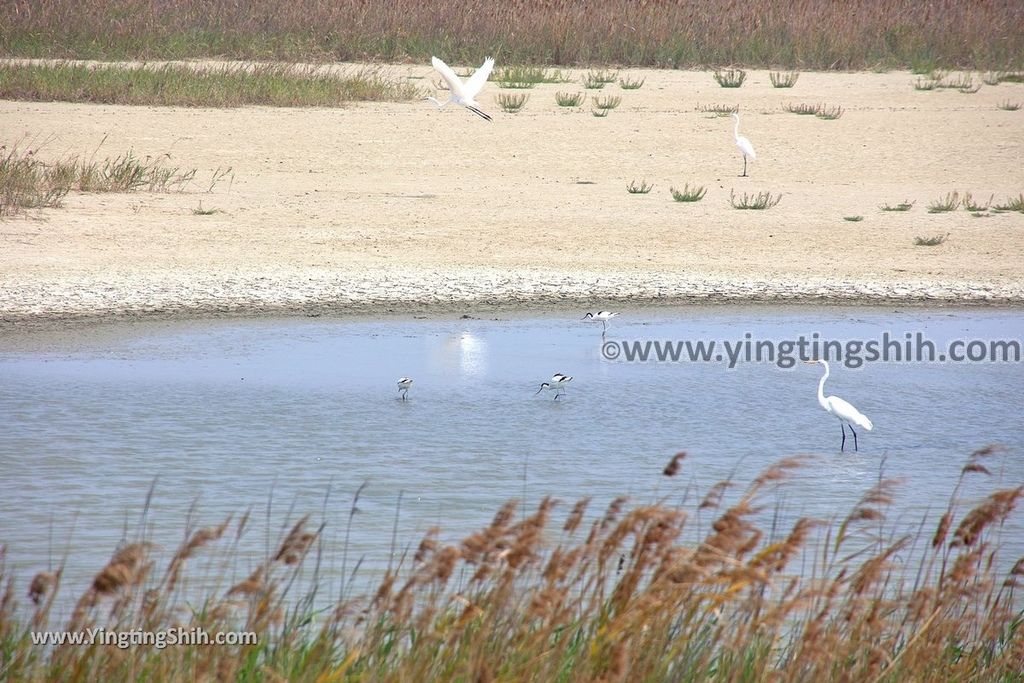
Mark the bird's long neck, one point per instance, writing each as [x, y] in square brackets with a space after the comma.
[821, 387]
[736, 129]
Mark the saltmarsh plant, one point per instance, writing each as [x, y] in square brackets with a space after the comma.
[944, 204]
[568, 593]
[565, 99]
[610, 102]
[783, 80]
[627, 83]
[642, 188]
[730, 78]
[821, 111]
[973, 206]
[179, 85]
[930, 241]
[1011, 204]
[853, 219]
[1007, 105]
[512, 104]
[528, 74]
[757, 202]
[718, 109]
[902, 206]
[591, 82]
[688, 194]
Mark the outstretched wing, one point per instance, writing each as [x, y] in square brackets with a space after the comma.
[845, 411]
[476, 82]
[454, 84]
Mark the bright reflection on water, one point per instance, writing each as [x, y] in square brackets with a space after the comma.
[232, 415]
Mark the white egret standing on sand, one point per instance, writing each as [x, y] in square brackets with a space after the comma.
[846, 413]
[558, 382]
[463, 94]
[403, 387]
[746, 149]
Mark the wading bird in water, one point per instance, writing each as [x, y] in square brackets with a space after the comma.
[403, 387]
[746, 149]
[603, 316]
[558, 382]
[846, 413]
[463, 94]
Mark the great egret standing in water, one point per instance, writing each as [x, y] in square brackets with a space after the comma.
[463, 94]
[847, 414]
[746, 149]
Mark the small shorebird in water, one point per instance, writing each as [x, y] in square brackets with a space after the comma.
[403, 387]
[558, 382]
[603, 316]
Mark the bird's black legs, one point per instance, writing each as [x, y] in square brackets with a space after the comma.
[842, 446]
[854, 437]
[744, 166]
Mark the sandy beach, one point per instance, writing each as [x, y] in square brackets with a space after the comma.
[401, 207]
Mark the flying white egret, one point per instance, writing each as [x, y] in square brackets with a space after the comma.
[463, 94]
[603, 316]
[403, 387]
[558, 382]
[746, 149]
[846, 413]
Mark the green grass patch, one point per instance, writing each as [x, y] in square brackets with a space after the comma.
[718, 109]
[566, 99]
[730, 78]
[821, 111]
[853, 219]
[689, 194]
[531, 75]
[781, 79]
[945, 204]
[969, 203]
[1011, 204]
[609, 102]
[627, 83]
[902, 206]
[592, 82]
[177, 85]
[512, 104]
[642, 188]
[600, 113]
[756, 202]
[1007, 105]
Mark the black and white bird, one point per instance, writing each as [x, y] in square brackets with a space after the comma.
[557, 382]
[403, 387]
[602, 316]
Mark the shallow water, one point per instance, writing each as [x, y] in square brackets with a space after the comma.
[297, 414]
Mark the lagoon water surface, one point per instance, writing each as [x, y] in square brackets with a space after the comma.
[296, 414]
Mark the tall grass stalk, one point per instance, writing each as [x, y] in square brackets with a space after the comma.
[29, 182]
[569, 594]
